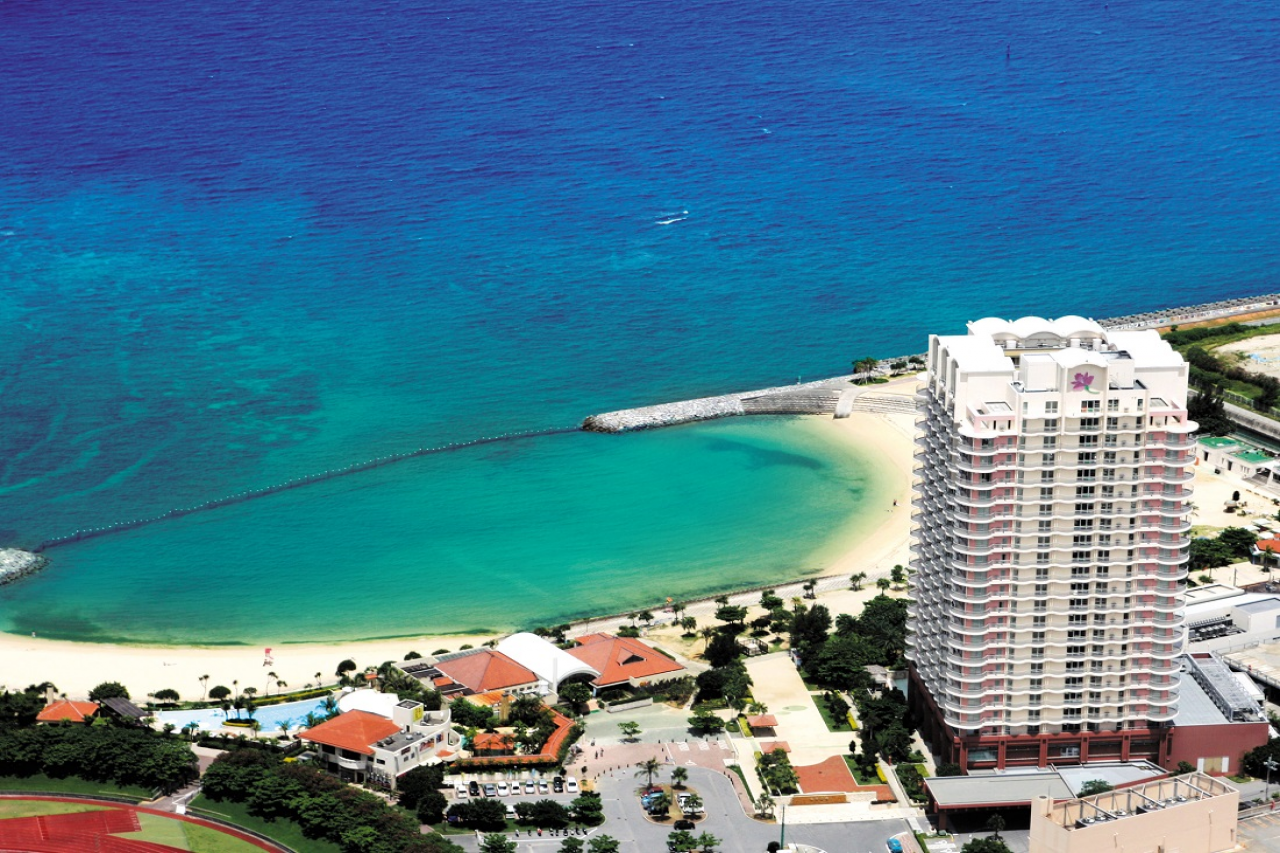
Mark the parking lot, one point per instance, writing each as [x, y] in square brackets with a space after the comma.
[626, 821]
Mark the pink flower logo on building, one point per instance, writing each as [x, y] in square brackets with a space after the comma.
[1082, 382]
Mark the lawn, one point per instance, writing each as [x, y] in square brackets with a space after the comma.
[71, 785]
[873, 779]
[286, 832]
[833, 724]
[36, 808]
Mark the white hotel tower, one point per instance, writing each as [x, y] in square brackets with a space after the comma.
[1050, 550]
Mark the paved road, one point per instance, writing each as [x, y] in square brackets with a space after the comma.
[1261, 833]
[625, 821]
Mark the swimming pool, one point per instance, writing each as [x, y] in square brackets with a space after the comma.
[270, 717]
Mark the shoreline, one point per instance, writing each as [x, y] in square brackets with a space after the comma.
[868, 542]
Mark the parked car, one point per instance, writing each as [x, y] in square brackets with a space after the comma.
[686, 825]
[490, 790]
[473, 788]
[511, 810]
[571, 785]
[460, 790]
[894, 845]
[502, 789]
[530, 788]
[543, 787]
[557, 784]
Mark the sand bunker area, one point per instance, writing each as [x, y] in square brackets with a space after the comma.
[1261, 355]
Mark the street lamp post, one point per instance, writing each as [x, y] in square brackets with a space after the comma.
[782, 838]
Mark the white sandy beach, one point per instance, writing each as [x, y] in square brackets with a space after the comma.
[874, 545]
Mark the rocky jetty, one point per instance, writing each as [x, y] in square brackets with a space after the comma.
[16, 563]
[810, 398]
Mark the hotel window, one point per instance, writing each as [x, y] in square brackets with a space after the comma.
[1051, 407]
[1089, 405]
[1113, 405]
[1050, 442]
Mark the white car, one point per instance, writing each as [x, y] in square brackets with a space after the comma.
[543, 787]
[571, 785]
[460, 790]
[502, 789]
[530, 788]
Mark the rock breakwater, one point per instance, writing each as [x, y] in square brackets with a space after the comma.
[16, 563]
[810, 398]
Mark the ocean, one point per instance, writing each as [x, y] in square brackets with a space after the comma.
[242, 244]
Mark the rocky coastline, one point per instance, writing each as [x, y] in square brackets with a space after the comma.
[16, 564]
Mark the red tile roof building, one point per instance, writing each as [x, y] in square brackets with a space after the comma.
[65, 709]
[623, 660]
[354, 731]
[487, 670]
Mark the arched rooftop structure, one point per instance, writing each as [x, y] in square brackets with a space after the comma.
[549, 663]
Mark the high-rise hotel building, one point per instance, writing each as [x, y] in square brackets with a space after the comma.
[1054, 465]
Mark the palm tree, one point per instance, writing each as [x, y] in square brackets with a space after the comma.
[678, 776]
[319, 676]
[284, 727]
[857, 580]
[311, 720]
[281, 684]
[677, 609]
[689, 624]
[707, 634]
[764, 805]
[648, 768]
[758, 708]
[235, 685]
[271, 676]
[204, 684]
[191, 728]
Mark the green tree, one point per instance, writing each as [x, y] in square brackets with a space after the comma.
[985, 845]
[219, 692]
[1239, 541]
[269, 798]
[496, 843]
[648, 769]
[731, 613]
[883, 583]
[204, 686]
[572, 845]
[1184, 767]
[722, 650]
[708, 843]
[857, 580]
[108, 690]
[167, 696]
[414, 785]
[577, 695]
[681, 841]
[898, 574]
[630, 730]
[949, 769]
[689, 624]
[679, 775]
[602, 844]
[705, 722]
[587, 809]
[1093, 786]
[862, 367]
[996, 823]
[765, 805]
[769, 600]
[345, 666]
[1207, 409]
[431, 807]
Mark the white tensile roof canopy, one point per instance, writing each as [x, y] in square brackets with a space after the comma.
[551, 664]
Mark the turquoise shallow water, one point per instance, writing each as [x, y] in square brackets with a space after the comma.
[514, 535]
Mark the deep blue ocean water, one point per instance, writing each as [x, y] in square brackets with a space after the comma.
[244, 242]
